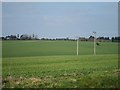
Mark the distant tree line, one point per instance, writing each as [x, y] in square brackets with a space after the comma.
[100, 39]
[35, 37]
[91, 38]
[59, 39]
[115, 39]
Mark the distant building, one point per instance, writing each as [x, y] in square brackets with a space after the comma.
[83, 39]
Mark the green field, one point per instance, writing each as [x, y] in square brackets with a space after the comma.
[54, 64]
[52, 48]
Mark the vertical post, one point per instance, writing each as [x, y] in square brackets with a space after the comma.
[77, 46]
[94, 43]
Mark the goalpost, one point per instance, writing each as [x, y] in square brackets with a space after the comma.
[94, 49]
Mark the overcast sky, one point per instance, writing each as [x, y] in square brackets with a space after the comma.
[53, 20]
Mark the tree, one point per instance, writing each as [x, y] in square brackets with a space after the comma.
[112, 39]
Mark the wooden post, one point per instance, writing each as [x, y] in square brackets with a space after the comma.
[77, 47]
[94, 43]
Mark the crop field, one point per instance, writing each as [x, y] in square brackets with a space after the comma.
[54, 64]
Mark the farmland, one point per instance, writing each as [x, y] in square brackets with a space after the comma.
[54, 64]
